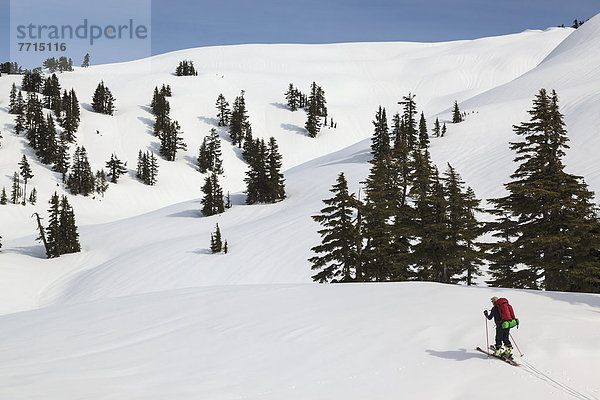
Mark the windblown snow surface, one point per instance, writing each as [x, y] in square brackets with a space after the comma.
[145, 312]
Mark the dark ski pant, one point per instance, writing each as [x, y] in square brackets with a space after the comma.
[502, 336]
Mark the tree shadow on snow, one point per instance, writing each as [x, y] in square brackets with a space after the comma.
[146, 108]
[295, 128]
[88, 107]
[592, 300]
[36, 251]
[186, 214]
[362, 157]
[280, 105]
[457, 355]
[209, 121]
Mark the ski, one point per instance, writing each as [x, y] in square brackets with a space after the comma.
[506, 360]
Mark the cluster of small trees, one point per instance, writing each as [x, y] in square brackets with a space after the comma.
[264, 180]
[412, 224]
[457, 117]
[240, 129]
[167, 130]
[576, 23]
[315, 106]
[209, 159]
[265, 183]
[40, 130]
[18, 194]
[62, 64]
[217, 244]
[11, 68]
[103, 101]
[210, 162]
[415, 224]
[147, 168]
[62, 235]
[186, 68]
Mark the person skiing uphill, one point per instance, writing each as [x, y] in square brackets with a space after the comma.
[502, 328]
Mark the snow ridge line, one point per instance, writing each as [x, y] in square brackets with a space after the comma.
[529, 367]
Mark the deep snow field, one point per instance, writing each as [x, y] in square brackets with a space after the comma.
[146, 312]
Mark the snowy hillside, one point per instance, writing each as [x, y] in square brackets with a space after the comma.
[146, 312]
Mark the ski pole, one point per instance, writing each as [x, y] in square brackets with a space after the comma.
[515, 342]
[487, 338]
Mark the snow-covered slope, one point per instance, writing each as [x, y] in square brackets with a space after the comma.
[145, 312]
[299, 342]
[480, 143]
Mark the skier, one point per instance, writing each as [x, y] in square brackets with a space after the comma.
[502, 334]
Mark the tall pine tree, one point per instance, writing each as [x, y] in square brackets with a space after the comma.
[337, 255]
[549, 221]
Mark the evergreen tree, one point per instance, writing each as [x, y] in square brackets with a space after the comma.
[203, 157]
[292, 98]
[436, 128]
[86, 61]
[275, 181]
[51, 93]
[238, 123]
[81, 179]
[379, 253]
[213, 152]
[166, 91]
[72, 115]
[103, 100]
[171, 141]
[444, 130]
[68, 228]
[26, 173]
[340, 237]
[62, 230]
[456, 115]
[464, 257]
[147, 168]
[380, 143]
[47, 144]
[15, 194]
[33, 196]
[257, 174]
[216, 242]
[161, 109]
[100, 183]
[12, 102]
[3, 197]
[32, 81]
[423, 136]
[316, 110]
[404, 215]
[409, 119]
[223, 111]
[116, 168]
[550, 223]
[20, 112]
[186, 68]
[430, 249]
[34, 117]
[53, 230]
[51, 64]
[212, 202]
[313, 121]
[61, 162]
